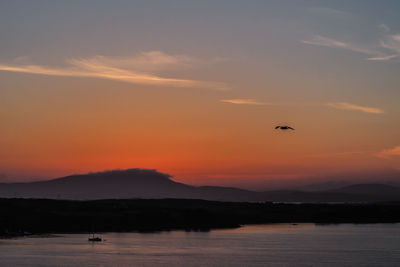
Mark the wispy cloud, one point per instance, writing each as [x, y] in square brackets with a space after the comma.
[252, 101]
[341, 154]
[324, 41]
[330, 12]
[384, 27]
[390, 153]
[386, 49]
[137, 70]
[328, 42]
[349, 106]
[241, 101]
[337, 105]
[392, 42]
[383, 58]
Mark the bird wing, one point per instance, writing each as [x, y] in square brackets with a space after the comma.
[290, 128]
[277, 127]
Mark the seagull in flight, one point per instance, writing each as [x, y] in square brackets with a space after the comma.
[284, 128]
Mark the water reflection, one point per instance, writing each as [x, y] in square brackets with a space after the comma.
[252, 245]
[269, 227]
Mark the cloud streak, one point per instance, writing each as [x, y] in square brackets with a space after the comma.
[383, 58]
[387, 50]
[331, 12]
[242, 101]
[324, 41]
[319, 40]
[392, 42]
[255, 102]
[135, 70]
[349, 106]
[390, 153]
[384, 27]
[337, 105]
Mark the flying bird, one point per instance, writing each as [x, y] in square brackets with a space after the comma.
[284, 128]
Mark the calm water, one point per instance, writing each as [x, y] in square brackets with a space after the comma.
[260, 245]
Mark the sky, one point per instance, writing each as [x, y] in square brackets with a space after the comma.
[196, 88]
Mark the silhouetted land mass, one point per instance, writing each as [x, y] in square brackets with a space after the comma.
[44, 216]
[150, 184]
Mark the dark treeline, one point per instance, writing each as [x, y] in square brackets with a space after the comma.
[42, 216]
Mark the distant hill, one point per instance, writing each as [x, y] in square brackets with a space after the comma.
[150, 184]
[371, 189]
[323, 186]
[120, 184]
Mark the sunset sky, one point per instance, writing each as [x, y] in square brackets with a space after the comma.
[195, 89]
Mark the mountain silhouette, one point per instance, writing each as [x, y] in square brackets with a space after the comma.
[151, 184]
[118, 184]
[372, 189]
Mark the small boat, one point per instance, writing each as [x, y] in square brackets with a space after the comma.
[94, 238]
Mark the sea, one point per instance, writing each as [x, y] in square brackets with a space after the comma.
[249, 245]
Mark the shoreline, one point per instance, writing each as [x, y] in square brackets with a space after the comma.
[28, 217]
[61, 234]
